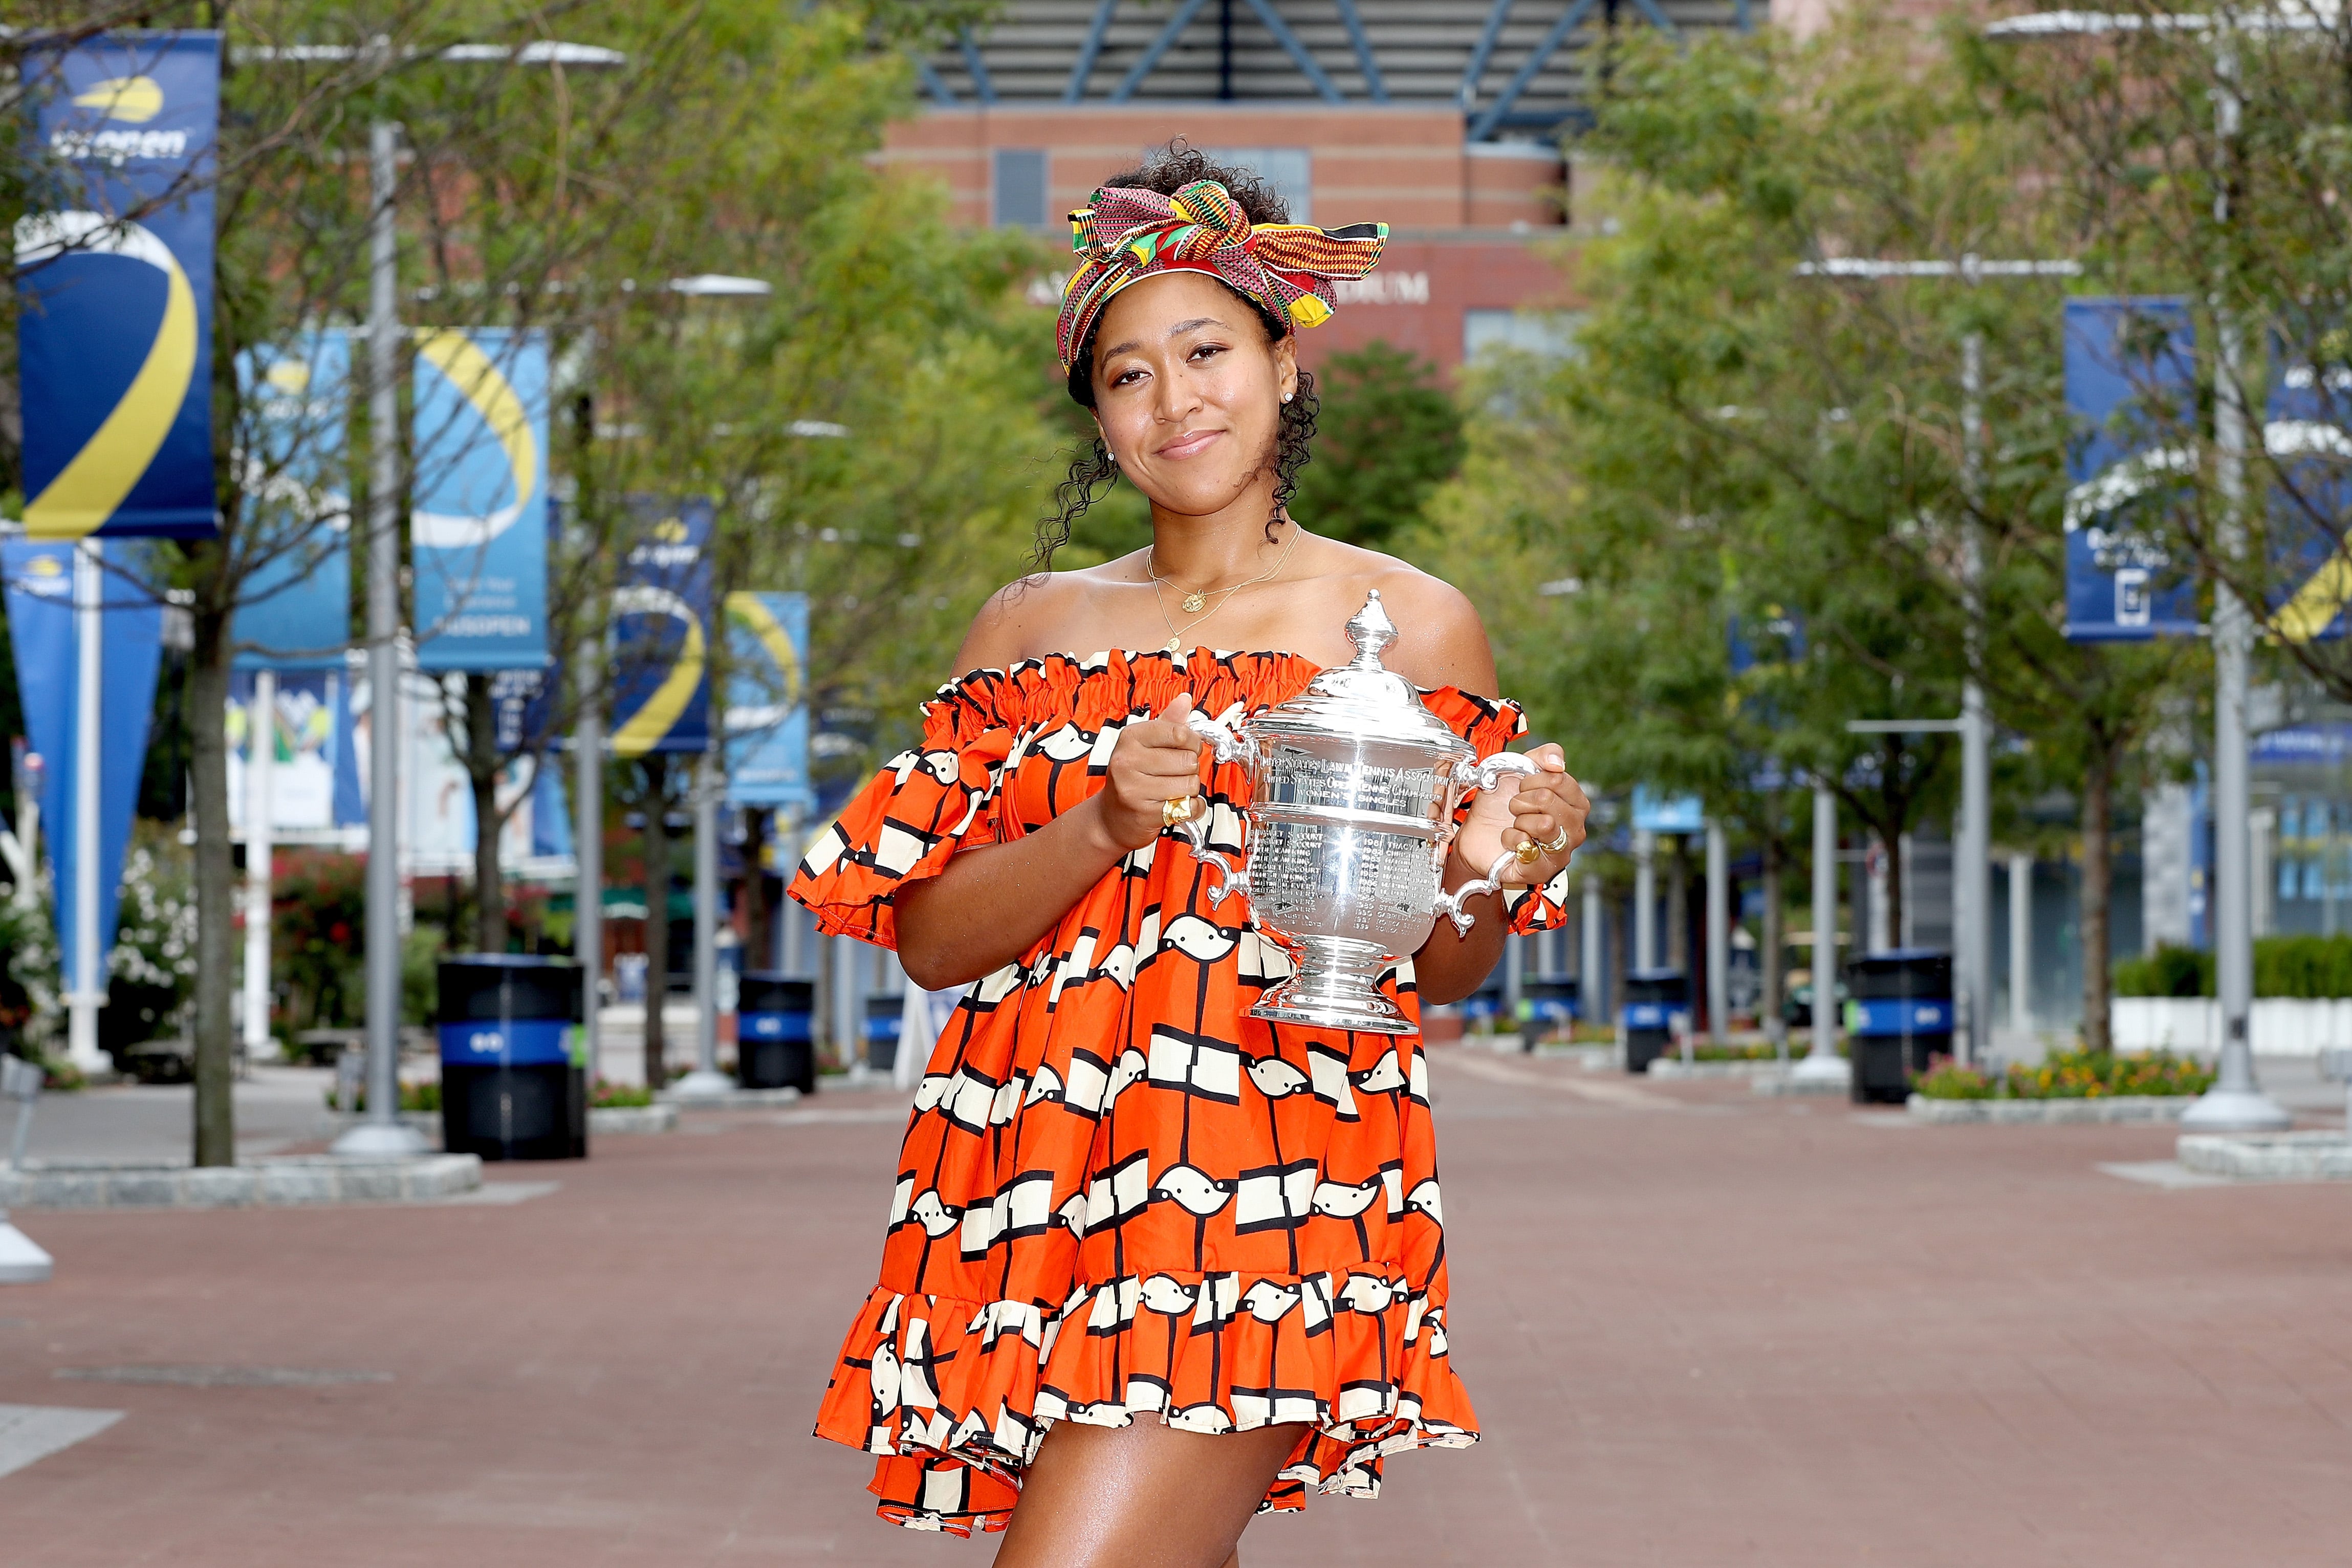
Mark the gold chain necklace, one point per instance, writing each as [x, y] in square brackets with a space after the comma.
[1194, 604]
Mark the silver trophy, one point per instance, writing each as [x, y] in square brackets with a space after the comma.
[1353, 785]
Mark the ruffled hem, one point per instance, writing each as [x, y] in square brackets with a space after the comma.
[955, 1397]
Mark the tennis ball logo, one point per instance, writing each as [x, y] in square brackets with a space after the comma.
[133, 99]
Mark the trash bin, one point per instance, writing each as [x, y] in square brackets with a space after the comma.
[883, 1013]
[1481, 1008]
[1898, 1015]
[773, 1044]
[513, 1064]
[1655, 1000]
[1547, 1007]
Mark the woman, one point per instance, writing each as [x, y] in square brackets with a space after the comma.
[1142, 1287]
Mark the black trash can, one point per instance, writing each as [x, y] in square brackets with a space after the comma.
[1898, 1017]
[1547, 1007]
[513, 1064]
[883, 1015]
[774, 1047]
[1652, 999]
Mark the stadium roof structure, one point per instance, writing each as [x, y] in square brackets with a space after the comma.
[1512, 67]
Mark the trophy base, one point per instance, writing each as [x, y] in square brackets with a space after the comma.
[1337, 986]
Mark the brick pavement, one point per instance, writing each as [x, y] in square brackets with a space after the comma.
[1701, 1330]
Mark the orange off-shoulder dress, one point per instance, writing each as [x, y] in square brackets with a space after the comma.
[1118, 1194]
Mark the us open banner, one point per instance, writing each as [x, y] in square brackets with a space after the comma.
[478, 532]
[39, 576]
[114, 339]
[661, 633]
[2311, 508]
[295, 612]
[767, 707]
[2131, 388]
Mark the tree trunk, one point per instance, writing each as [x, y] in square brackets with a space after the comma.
[2098, 888]
[1772, 944]
[657, 799]
[215, 878]
[482, 775]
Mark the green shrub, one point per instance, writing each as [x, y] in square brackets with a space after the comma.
[2298, 967]
[2168, 971]
[619, 1095]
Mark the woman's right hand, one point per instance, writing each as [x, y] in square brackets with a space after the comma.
[1156, 761]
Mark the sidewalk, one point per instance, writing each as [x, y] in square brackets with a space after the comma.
[1702, 1328]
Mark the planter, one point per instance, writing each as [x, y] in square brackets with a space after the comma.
[264, 1183]
[2109, 1108]
[626, 1119]
[2191, 1026]
[2268, 1156]
[1675, 1067]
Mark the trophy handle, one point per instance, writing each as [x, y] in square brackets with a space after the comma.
[1502, 762]
[1229, 747]
[1194, 831]
[1450, 904]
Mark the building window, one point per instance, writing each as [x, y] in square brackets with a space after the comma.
[1549, 333]
[1289, 170]
[1020, 188]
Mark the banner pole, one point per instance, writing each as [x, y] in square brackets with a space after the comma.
[89, 985]
[260, 780]
[383, 1133]
[588, 850]
[706, 1080]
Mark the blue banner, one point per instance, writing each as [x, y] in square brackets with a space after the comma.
[315, 779]
[114, 336]
[2303, 431]
[767, 701]
[1654, 813]
[661, 633]
[2131, 387]
[295, 612]
[478, 532]
[39, 577]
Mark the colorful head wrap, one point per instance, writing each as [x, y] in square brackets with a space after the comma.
[1127, 234]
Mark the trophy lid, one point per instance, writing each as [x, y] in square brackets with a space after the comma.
[1364, 698]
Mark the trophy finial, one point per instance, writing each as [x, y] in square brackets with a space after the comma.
[1371, 630]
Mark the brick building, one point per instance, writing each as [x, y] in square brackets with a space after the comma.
[1442, 119]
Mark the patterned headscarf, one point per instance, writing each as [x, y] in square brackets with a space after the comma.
[1129, 234]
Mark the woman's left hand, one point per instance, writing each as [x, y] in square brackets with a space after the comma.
[1530, 808]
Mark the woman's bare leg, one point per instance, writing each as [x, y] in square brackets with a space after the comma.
[1145, 1496]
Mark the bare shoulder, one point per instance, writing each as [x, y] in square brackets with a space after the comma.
[1442, 641]
[1037, 614]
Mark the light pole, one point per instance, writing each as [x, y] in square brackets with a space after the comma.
[87, 992]
[1645, 899]
[383, 1133]
[706, 1082]
[1590, 991]
[1823, 1064]
[1719, 934]
[2236, 1103]
[1972, 855]
[260, 802]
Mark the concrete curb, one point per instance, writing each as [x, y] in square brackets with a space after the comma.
[1772, 1085]
[1675, 1067]
[733, 1099]
[2268, 1156]
[2044, 1113]
[626, 1119]
[335, 1123]
[264, 1183]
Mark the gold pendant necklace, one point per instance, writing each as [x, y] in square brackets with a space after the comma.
[1194, 603]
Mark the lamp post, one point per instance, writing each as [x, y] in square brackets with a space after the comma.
[382, 1133]
[588, 854]
[260, 804]
[86, 991]
[2236, 1103]
[1823, 1064]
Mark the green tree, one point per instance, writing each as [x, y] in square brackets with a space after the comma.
[1387, 437]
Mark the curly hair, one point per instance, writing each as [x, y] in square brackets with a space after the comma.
[1169, 169]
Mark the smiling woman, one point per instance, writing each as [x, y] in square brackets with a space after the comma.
[1155, 1264]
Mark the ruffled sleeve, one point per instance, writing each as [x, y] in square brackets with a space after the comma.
[926, 803]
[1490, 726]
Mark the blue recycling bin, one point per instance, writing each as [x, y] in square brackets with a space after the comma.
[513, 1061]
[1482, 1007]
[775, 1045]
[1898, 1019]
[883, 1015]
[1548, 1006]
[1653, 999]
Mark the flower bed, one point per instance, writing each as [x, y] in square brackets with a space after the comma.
[2072, 1075]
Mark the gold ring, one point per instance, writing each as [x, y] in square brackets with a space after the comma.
[1178, 809]
[1557, 842]
[1528, 852]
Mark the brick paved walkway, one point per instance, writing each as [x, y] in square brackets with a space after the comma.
[1749, 1333]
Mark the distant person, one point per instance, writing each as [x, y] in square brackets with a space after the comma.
[1154, 1265]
